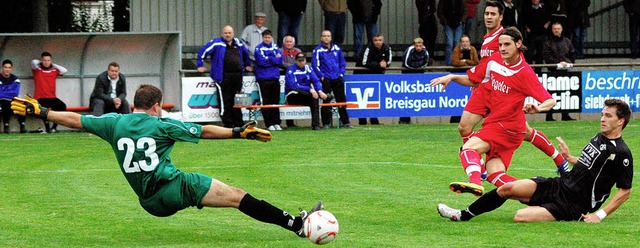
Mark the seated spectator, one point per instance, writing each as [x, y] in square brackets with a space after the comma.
[303, 87]
[558, 50]
[377, 57]
[415, 58]
[45, 73]
[9, 88]
[289, 52]
[110, 92]
[464, 54]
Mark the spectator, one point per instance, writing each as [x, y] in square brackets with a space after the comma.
[415, 58]
[110, 92]
[536, 20]
[45, 73]
[329, 65]
[252, 34]
[464, 54]
[470, 23]
[364, 14]
[302, 86]
[289, 17]
[452, 15]
[377, 58]
[268, 60]
[9, 88]
[558, 50]
[579, 19]
[632, 7]
[428, 28]
[335, 18]
[229, 60]
[289, 52]
[559, 14]
[510, 16]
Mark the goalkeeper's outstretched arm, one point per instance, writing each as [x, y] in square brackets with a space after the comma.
[248, 131]
[67, 119]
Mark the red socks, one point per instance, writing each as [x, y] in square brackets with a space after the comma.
[539, 140]
[500, 178]
[470, 160]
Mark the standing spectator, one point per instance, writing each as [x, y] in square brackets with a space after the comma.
[452, 15]
[558, 50]
[377, 58]
[335, 18]
[268, 61]
[161, 188]
[464, 54]
[559, 14]
[289, 52]
[604, 162]
[579, 20]
[428, 28]
[252, 34]
[470, 23]
[45, 73]
[364, 14]
[329, 65]
[510, 16]
[289, 17]
[632, 7]
[536, 20]
[110, 92]
[302, 86]
[9, 88]
[415, 58]
[229, 60]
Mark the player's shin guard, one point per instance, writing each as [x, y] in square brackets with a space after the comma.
[470, 160]
[487, 202]
[265, 212]
[500, 178]
[539, 140]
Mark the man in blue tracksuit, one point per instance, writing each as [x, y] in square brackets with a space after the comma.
[229, 60]
[303, 87]
[268, 60]
[9, 88]
[329, 65]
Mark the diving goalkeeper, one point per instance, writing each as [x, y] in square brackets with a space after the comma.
[142, 142]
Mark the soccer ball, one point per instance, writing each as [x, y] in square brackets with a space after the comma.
[321, 227]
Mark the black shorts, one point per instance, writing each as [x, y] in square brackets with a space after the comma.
[552, 195]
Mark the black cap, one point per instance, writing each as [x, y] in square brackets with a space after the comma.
[300, 56]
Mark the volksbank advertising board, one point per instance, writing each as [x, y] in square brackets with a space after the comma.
[397, 95]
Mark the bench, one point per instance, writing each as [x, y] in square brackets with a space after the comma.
[253, 109]
[166, 106]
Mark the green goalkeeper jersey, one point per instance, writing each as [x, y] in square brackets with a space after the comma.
[142, 144]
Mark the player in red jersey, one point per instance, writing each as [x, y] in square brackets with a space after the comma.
[476, 108]
[508, 80]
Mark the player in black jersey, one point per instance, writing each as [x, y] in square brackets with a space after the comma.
[577, 195]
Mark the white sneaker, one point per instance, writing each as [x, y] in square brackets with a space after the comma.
[278, 127]
[449, 213]
[272, 128]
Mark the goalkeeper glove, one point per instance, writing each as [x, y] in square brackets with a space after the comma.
[30, 106]
[250, 131]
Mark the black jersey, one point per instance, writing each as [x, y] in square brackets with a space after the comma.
[602, 163]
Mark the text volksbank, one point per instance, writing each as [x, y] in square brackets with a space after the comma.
[427, 101]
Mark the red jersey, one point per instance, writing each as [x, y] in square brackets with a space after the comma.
[45, 82]
[490, 44]
[506, 87]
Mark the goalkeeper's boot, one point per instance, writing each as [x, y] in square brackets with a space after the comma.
[460, 187]
[304, 214]
[563, 168]
[449, 213]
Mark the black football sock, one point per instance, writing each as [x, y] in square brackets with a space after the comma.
[265, 212]
[487, 202]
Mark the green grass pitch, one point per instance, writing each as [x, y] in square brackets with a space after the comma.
[382, 183]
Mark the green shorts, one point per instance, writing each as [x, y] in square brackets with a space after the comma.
[186, 190]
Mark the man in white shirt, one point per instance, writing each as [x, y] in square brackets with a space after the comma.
[252, 34]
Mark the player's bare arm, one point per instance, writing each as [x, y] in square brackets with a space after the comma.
[460, 79]
[616, 201]
[543, 107]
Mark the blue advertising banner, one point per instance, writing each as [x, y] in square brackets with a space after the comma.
[398, 95]
[601, 85]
